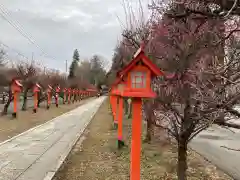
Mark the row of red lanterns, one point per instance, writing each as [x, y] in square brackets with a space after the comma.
[16, 88]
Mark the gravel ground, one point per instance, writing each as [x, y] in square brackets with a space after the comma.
[95, 156]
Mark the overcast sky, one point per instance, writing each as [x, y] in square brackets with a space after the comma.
[60, 26]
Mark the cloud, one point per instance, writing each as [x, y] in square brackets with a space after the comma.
[60, 26]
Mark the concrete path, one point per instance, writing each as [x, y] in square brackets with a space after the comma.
[38, 153]
[211, 144]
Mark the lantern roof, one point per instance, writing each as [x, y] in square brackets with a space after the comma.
[17, 82]
[116, 82]
[140, 56]
[114, 90]
[37, 85]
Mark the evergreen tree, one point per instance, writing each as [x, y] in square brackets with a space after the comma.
[74, 64]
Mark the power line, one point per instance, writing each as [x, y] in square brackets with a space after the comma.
[6, 16]
[16, 51]
[45, 69]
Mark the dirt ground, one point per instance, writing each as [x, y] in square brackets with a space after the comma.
[97, 158]
[27, 119]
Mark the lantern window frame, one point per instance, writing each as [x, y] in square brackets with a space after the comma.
[145, 82]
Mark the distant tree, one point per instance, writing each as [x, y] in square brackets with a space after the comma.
[74, 64]
[2, 54]
[83, 71]
[98, 74]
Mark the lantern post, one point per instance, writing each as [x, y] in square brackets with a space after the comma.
[73, 95]
[16, 88]
[36, 90]
[80, 95]
[76, 92]
[114, 94]
[113, 101]
[69, 95]
[77, 95]
[49, 96]
[139, 73]
[64, 95]
[120, 89]
[121, 83]
[57, 95]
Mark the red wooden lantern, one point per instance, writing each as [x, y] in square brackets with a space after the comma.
[113, 101]
[77, 94]
[69, 95]
[74, 94]
[64, 95]
[49, 90]
[16, 88]
[36, 90]
[80, 95]
[49, 96]
[139, 73]
[58, 89]
[84, 94]
[117, 91]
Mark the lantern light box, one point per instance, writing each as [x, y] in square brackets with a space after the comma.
[139, 73]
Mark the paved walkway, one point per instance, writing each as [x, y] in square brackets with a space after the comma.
[37, 153]
[210, 144]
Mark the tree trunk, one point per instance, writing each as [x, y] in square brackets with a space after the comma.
[150, 131]
[182, 160]
[24, 105]
[41, 98]
[10, 98]
[3, 99]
